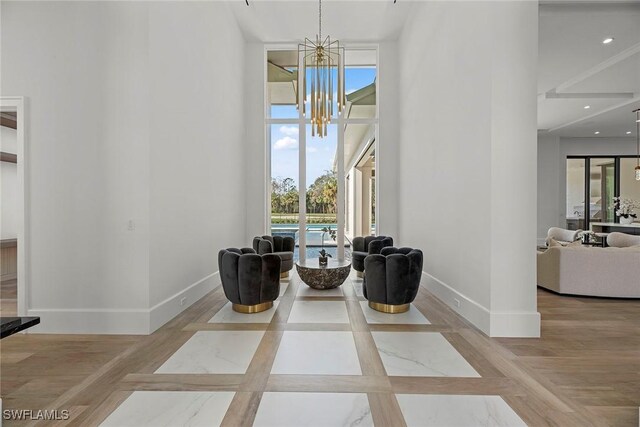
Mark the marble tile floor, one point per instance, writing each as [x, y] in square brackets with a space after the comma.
[317, 353]
[214, 352]
[293, 409]
[170, 408]
[422, 354]
[313, 409]
[306, 291]
[316, 360]
[421, 410]
[319, 312]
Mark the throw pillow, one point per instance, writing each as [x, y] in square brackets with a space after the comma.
[553, 243]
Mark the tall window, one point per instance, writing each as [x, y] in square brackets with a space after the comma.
[308, 192]
[285, 206]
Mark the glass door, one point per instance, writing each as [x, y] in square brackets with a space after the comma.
[591, 185]
[601, 189]
[575, 207]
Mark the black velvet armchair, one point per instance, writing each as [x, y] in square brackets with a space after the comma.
[363, 246]
[392, 279]
[250, 281]
[281, 246]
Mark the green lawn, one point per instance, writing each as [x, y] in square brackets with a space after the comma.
[312, 218]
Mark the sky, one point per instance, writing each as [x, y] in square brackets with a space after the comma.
[320, 151]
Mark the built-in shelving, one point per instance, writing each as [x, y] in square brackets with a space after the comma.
[8, 157]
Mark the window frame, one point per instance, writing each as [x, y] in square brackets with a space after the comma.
[587, 181]
[302, 123]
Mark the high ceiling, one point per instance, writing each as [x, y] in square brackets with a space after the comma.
[577, 70]
[348, 21]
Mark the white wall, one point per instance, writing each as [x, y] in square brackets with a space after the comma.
[388, 140]
[197, 145]
[467, 162]
[107, 114]
[552, 172]
[548, 184]
[9, 182]
[255, 165]
[77, 63]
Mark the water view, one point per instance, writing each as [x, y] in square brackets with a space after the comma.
[316, 239]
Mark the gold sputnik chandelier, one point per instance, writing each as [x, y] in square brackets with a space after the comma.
[320, 59]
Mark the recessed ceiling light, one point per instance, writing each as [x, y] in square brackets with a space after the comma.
[586, 107]
[629, 133]
[597, 133]
[607, 40]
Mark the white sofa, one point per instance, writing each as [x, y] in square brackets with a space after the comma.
[592, 271]
[622, 240]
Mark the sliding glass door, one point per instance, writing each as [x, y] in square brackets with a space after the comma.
[591, 184]
[601, 190]
[576, 186]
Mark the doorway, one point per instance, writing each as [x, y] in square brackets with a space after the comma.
[12, 208]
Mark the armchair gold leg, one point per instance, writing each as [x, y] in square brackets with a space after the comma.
[284, 275]
[389, 308]
[250, 309]
[360, 274]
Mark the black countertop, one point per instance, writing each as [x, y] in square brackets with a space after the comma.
[12, 325]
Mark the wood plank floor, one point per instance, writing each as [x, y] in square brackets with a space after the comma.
[585, 370]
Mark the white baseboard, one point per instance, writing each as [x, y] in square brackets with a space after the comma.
[515, 325]
[91, 321]
[162, 312]
[467, 308]
[118, 321]
[494, 324]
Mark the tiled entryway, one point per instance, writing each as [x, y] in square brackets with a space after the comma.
[317, 358]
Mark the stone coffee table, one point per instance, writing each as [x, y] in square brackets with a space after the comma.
[326, 277]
